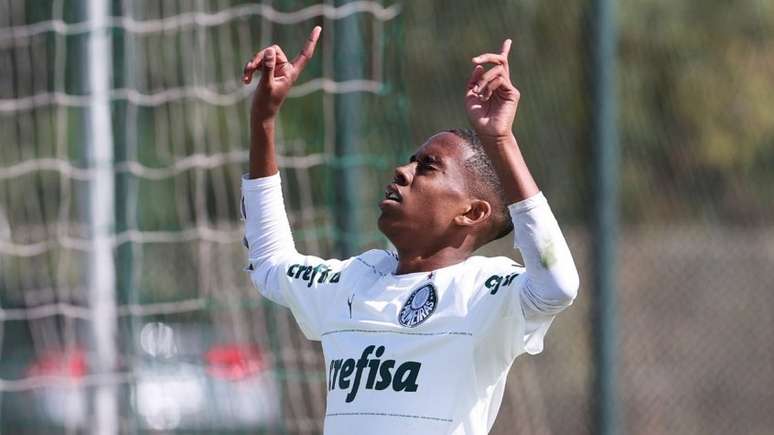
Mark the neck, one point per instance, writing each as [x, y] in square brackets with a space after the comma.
[411, 262]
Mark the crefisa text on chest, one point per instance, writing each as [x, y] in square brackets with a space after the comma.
[379, 374]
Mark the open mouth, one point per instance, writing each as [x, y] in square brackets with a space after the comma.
[391, 193]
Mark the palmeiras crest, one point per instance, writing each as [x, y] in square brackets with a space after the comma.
[419, 306]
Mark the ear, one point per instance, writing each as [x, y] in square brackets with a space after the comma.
[478, 211]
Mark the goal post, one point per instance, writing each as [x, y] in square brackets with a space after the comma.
[101, 269]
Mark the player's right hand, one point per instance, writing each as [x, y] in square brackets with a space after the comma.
[277, 76]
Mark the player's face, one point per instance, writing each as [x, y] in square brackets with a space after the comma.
[426, 195]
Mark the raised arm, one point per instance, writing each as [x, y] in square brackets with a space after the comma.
[491, 101]
[303, 283]
[268, 238]
[277, 77]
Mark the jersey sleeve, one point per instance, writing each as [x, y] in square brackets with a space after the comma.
[550, 281]
[278, 271]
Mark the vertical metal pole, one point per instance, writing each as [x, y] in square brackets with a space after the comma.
[102, 274]
[606, 162]
[348, 61]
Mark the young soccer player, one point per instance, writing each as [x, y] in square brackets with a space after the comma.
[417, 341]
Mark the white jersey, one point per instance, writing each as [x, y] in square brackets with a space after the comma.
[419, 353]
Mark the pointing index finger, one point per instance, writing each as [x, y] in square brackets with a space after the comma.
[506, 48]
[306, 53]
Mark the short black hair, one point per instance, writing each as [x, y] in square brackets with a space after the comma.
[485, 182]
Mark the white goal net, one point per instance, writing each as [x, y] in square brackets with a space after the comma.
[120, 241]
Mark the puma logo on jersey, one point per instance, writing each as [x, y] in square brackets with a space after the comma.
[309, 273]
[381, 374]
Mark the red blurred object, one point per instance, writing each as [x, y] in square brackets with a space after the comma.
[234, 361]
[70, 363]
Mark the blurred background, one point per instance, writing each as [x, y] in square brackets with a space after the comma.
[123, 134]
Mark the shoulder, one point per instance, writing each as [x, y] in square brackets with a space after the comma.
[487, 265]
[494, 272]
[317, 271]
[379, 262]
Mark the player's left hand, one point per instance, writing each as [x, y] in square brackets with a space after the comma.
[491, 98]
